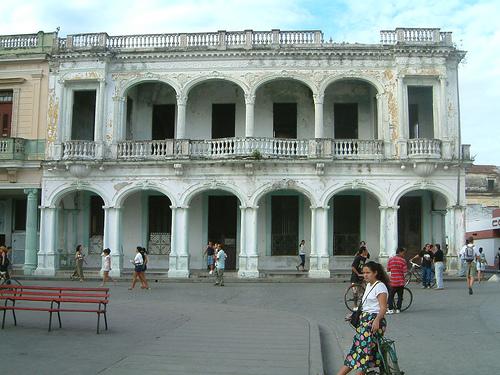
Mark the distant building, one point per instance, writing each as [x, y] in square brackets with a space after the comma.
[482, 189]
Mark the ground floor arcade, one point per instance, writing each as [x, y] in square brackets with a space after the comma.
[260, 223]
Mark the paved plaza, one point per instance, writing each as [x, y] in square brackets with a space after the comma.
[252, 328]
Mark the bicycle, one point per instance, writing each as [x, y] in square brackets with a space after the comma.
[353, 295]
[407, 299]
[415, 274]
[387, 350]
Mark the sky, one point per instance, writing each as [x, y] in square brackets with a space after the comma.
[472, 23]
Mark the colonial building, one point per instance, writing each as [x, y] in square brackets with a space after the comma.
[483, 208]
[253, 139]
[23, 116]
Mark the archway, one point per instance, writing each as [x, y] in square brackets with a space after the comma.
[421, 220]
[79, 220]
[146, 220]
[215, 109]
[284, 108]
[350, 110]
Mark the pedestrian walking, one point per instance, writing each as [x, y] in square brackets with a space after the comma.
[302, 255]
[220, 265]
[481, 265]
[145, 259]
[79, 259]
[364, 354]
[138, 263]
[471, 256]
[425, 257]
[210, 253]
[397, 268]
[357, 265]
[106, 266]
[438, 266]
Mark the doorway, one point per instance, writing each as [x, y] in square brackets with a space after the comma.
[163, 126]
[284, 224]
[285, 120]
[222, 225]
[346, 120]
[410, 224]
[223, 120]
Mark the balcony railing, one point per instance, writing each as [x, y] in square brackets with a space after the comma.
[12, 148]
[134, 150]
[79, 150]
[424, 148]
[415, 36]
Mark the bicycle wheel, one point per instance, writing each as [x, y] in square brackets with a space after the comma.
[407, 299]
[390, 364]
[353, 295]
[407, 278]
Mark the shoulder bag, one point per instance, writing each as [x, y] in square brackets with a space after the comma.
[355, 316]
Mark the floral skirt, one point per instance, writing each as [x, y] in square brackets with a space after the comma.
[364, 352]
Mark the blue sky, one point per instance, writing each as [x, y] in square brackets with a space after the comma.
[472, 23]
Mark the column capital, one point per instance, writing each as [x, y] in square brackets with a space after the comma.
[181, 99]
[318, 98]
[111, 207]
[320, 207]
[456, 207]
[250, 99]
[119, 99]
[388, 207]
[243, 207]
[31, 192]
[180, 207]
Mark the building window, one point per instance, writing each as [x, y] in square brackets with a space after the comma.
[83, 118]
[420, 112]
[346, 120]
[19, 206]
[163, 126]
[6, 98]
[491, 184]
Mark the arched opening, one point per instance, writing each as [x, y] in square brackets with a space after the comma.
[350, 110]
[215, 109]
[214, 216]
[80, 220]
[147, 221]
[284, 108]
[151, 112]
[353, 217]
[421, 220]
[283, 220]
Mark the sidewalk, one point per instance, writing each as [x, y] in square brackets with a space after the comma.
[149, 335]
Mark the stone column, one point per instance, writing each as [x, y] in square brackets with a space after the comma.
[99, 123]
[30, 247]
[179, 255]
[249, 115]
[441, 128]
[47, 256]
[181, 117]
[403, 131]
[318, 115]
[388, 232]
[112, 238]
[249, 258]
[455, 233]
[319, 261]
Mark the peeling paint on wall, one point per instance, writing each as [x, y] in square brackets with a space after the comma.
[52, 116]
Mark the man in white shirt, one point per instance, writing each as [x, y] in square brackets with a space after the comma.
[220, 266]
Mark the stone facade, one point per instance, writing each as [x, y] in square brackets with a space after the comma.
[253, 139]
[24, 72]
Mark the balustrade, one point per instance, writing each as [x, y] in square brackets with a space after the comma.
[12, 148]
[415, 35]
[421, 147]
[157, 149]
[79, 150]
[19, 41]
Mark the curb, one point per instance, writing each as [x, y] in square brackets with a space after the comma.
[315, 353]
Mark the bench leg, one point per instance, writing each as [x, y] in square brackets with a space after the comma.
[50, 321]
[59, 318]
[105, 321]
[98, 321]
[3, 319]
[14, 316]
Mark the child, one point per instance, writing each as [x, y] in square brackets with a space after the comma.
[106, 266]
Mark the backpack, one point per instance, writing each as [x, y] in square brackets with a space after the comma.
[469, 253]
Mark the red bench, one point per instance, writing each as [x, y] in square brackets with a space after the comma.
[54, 300]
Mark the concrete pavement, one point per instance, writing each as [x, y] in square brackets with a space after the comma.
[253, 328]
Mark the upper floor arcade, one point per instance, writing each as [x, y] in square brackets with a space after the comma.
[254, 94]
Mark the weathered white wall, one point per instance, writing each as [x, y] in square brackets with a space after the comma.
[196, 233]
[372, 222]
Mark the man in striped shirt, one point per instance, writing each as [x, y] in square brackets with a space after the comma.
[397, 267]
